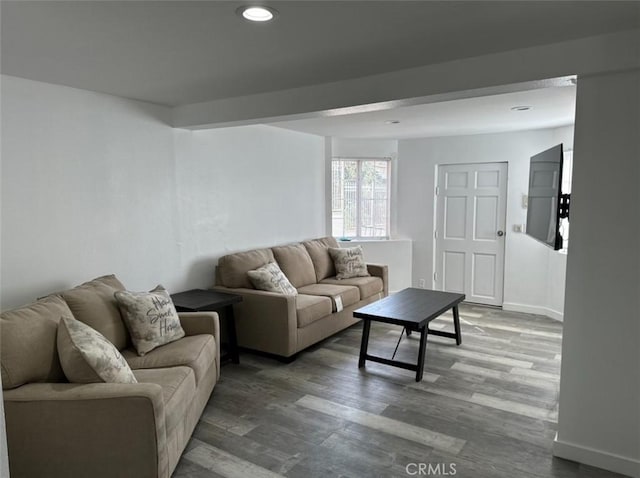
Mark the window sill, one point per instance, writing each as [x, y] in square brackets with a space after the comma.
[363, 239]
[373, 240]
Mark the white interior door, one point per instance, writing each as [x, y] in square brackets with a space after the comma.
[470, 227]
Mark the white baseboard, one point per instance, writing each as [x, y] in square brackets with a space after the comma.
[597, 458]
[533, 309]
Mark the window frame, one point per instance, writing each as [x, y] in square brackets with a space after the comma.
[360, 161]
[565, 187]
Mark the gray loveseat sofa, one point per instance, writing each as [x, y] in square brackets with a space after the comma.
[57, 429]
[284, 325]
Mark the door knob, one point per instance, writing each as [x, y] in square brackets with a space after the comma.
[500, 233]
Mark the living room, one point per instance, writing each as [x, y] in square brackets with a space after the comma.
[96, 183]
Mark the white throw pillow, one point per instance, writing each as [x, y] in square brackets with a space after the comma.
[349, 262]
[271, 278]
[151, 318]
[87, 356]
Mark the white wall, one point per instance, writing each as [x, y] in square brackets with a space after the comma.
[527, 262]
[246, 187]
[87, 189]
[93, 184]
[556, 283]
[364, 148]
[599, 414]
[395, 253]
[557, 261]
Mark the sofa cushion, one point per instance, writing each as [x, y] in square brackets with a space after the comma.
[178, 390]
[94, 304]
[151, 318]
[28, 349]
[197, 352]
[318, 250]
[87, 357]
[233, 268]
[368, 285]
[349, 295]
[310, 308]
[349, 262]
[295, 262]
[270, 278]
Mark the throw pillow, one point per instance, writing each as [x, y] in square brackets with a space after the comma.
[87, 356]
[270, 278]
[349, 262]
[151, 318]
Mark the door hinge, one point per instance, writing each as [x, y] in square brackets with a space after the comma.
[435, 277]
[437, 190]
[435, 234]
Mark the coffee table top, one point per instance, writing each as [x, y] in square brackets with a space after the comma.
[411, 307]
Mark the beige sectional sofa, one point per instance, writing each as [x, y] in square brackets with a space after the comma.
[282, 324]
[61, 429]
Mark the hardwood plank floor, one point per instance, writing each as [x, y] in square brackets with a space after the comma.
[487, 408]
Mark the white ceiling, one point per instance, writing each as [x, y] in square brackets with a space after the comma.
[551, 107]
[181, 52]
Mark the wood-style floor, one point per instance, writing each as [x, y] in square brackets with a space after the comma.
[485, 409]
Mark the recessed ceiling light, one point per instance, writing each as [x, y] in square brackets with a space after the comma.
[392, 122]
[521, 108]
[256, 13]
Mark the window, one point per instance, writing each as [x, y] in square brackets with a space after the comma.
[565, 187]
[567, 171]
[360, 197]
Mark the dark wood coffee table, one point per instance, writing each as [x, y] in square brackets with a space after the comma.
[205, 300]
[412, 309]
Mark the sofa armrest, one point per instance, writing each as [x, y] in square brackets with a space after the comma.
[382, 271]
[76, 430]
[265, 321]
[196, 323]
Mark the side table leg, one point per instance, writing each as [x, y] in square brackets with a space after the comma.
[366, 326]
[456, 325]
[424, 332]
[232, 337]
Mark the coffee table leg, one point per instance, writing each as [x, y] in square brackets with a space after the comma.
[365, 342]
[421, 353]
[456, 325]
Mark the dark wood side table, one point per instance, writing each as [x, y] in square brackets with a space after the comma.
[205, 300]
